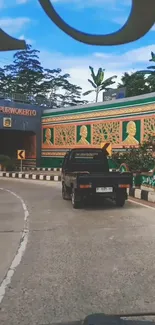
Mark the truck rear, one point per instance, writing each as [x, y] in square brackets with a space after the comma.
[86, 176]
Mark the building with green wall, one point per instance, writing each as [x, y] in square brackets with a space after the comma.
[123, 122]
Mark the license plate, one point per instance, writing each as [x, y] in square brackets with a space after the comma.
[104, 189]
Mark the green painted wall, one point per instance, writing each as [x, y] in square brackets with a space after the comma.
[50, 162]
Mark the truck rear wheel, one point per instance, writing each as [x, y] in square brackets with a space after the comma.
[76, 202]
[65, 194]
[120, 201]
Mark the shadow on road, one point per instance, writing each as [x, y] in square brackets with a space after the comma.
[106, 204]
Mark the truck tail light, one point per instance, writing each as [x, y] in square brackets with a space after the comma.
[86, 186]
[124, 186]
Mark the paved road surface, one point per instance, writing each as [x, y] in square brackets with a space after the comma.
[78, 261]
[11, 225]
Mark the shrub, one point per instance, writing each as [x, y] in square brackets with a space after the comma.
[7, 162]
[138, 159]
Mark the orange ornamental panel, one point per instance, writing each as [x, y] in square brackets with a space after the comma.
[124, 132]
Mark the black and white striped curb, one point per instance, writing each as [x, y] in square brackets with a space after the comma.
[50, 169]
[142, 194]
[41, 169]
[54, 178]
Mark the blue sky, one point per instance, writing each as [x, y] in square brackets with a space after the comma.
[26, 19]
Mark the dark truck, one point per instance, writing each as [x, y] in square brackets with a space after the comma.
[86, 175]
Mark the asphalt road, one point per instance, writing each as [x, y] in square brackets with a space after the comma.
[11, 225]
[76, 261]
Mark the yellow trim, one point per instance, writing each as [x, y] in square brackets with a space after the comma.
[105, 113]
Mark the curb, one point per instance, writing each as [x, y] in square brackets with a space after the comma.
[54, 178]
[42, 169]
[142, 194]
[49, 169]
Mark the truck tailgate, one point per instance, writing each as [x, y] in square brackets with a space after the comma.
[112, 179]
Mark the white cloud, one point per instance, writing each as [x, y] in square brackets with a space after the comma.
[11, 3]
[20, 2]
[13, 25]
[27, 40]
[114, 64]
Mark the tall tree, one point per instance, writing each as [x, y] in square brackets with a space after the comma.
[72, 95]
[26, 71]
[135, 84]
[98, 82]
[6, 81]
[46, 87]
[59, 90]
[150, 71]
[2, 79]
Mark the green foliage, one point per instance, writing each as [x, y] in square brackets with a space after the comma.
[151, 69]
[46, 87]
[140, 82]
[7, 163]
[152, 57]
[138, 160]
[148, 75]
[4, 159]
[98, 82]
[135, 84]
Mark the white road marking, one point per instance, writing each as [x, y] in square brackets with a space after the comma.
[142, 204]
[21, 249]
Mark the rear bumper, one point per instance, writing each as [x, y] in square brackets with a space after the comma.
[91, 192]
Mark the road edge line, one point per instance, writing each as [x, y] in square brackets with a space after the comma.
[139, 203]
[21, 248]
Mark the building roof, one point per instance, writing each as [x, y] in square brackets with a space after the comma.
[101, 105]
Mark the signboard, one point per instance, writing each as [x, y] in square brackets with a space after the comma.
[107, 147]
[20, 154]
[7, 122]
[18, 111]
[114, 94]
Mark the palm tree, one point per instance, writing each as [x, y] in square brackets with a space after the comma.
[98, 82]
[150, 79]
[151, 69]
